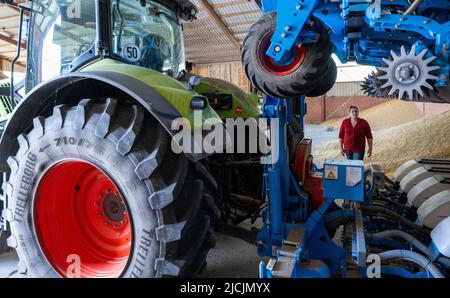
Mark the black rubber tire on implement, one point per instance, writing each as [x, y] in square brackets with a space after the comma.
[170, 199]
[326, 83]
[313, 68]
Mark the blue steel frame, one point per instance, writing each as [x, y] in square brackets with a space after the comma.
[288, 204]
[279, 183]
[287, 208]
[379, 34]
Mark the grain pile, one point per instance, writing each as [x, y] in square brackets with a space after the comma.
[426, 137]
[385, 115]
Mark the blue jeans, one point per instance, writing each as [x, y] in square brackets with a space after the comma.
[355, 155]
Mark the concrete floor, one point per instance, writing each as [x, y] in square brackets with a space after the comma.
[320, 134]
[232, 257]
[223, 261]
[8, 264]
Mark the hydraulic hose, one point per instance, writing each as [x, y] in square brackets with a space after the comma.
[341, 218]
[396, 204]
[374, 210]
[413, 257]
[414, 242]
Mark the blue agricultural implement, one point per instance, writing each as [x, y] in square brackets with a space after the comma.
[344, 220]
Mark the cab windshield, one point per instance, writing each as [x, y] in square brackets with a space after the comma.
[61, 31]
[150, 37]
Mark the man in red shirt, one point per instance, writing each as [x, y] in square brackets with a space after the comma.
[353, 134]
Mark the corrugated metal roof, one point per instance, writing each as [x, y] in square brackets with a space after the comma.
[226, 26]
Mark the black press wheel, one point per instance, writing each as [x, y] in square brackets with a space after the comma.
[307, 65]
[326, 83]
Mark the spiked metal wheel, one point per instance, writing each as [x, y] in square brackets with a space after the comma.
[372, 86]
[408, 75]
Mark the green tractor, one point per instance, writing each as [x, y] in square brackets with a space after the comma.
[93, 187]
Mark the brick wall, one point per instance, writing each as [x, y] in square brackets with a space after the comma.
[429, 109]
[316, 111]
[323, 108]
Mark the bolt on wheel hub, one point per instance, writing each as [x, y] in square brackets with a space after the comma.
[295, 60]
[112, 209]
[407, 73]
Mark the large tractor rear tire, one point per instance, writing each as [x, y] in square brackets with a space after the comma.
[96, 191]
[304, 70]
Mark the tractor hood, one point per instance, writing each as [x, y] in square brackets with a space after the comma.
[173, 91]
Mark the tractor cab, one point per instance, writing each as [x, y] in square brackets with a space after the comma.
[66, 35]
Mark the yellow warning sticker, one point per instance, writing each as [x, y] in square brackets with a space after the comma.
[331, 172]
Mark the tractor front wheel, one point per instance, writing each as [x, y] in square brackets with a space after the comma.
[95, 191]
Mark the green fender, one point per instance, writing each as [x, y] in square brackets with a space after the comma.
[172, 90]
[164, 97]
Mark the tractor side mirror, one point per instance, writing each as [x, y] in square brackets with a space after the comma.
[193, 82]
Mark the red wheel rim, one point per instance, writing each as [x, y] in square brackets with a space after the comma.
[80, 214]
[280, 69]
